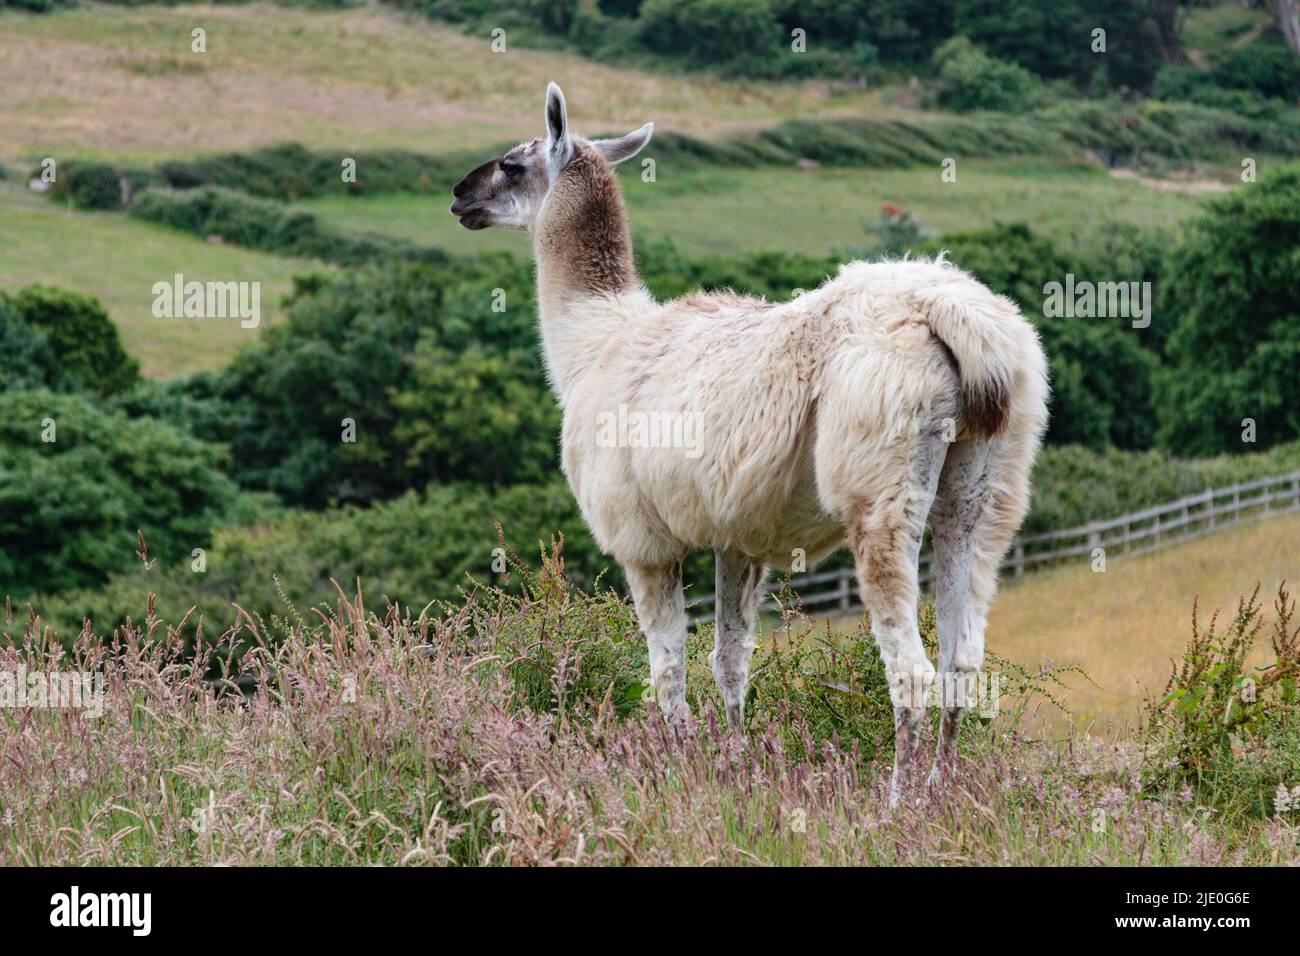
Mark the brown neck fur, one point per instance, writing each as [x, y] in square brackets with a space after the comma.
[583, 244]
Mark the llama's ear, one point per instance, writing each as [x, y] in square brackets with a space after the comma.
[559, 147]
[625, 147]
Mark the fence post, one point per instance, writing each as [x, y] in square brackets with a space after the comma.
[1020, 558]
[844, 589]
[1295, 490]
[1210, 507]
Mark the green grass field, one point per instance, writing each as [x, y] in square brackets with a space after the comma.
[723, 211]
[119, 260]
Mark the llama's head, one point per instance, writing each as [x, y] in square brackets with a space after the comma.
[508, 191]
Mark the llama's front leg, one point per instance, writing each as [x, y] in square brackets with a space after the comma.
[661, 612]
[739, 587]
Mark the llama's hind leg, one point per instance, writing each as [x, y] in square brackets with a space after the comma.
[739, 587]
[886, 539]
[980, 502]
[661, 612]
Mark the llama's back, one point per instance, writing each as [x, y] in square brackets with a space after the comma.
[766, 409]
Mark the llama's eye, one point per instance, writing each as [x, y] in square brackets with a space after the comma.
[513, 171]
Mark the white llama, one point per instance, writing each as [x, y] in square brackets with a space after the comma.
[895, 392]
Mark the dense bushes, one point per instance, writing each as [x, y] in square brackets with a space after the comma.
[269, 226]
[77, 483]
[1055, 40]
[417, 548]
[376, 383]
[741, 33]
[285, 171]
[1073, 485]
[290, 171]
[845, 38]
[1234, 353]
[95, 185]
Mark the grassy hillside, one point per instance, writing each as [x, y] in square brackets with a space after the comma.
[118, 260]
[369, 78]
[1125, 626]
[347, 78]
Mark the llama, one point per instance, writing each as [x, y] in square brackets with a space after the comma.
[894, 393]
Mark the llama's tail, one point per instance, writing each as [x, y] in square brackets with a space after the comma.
[1000, 360]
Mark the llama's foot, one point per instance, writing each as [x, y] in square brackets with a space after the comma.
[902, 788]
[678, 718]
[907, 740]
[736, 720]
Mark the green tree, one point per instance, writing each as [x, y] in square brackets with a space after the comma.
[372, 386]
[1235, 352]
[1055, 39]
[81, 337]
[713, 32]
[26, 359]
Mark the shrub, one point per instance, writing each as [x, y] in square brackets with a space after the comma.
[1269, 69]
[289, 171]
[93, 185]
[1054, 40]
[970, 79]
[81, 339]
[1074, 485]
[78, 483]
[1230, 730]
[370, 347]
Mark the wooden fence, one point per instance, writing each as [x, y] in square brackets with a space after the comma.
[836, 591]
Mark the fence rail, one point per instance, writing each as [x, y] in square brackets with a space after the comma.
[835, 591]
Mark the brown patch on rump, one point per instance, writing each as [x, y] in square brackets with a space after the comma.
[988, 407]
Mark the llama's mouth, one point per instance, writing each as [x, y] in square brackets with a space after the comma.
[471, 217]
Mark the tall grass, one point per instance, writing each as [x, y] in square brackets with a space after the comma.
[513, 731]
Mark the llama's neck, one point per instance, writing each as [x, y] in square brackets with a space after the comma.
[585, 267]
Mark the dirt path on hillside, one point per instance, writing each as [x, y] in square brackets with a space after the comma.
[1186, 187]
